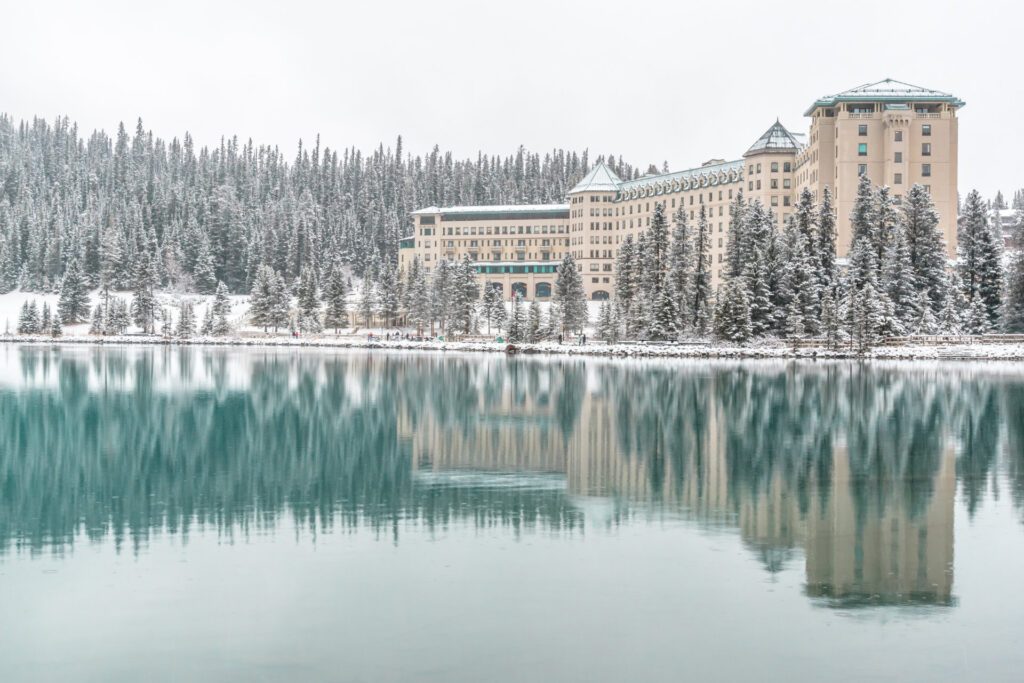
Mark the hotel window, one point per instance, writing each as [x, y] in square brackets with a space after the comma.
[759, 184]
[862, 149]
[759, 168]
[785, 200]
[787, 183]
[928, 189]
[775, 200]
[787, 167]
[897, 179]
[750, 185]
[775, 167]
[926, 129]
[926, 149]
[862, 129]
[775, 183]
[862, 169]
[899, 158]
[898, 136]
[926, 170]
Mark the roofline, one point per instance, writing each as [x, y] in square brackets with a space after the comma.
[491, 208]
[688, 171]
[832, 100]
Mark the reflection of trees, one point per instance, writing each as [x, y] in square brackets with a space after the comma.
[979, 437]
[110, 454]
[128, 443]
[1013, 406]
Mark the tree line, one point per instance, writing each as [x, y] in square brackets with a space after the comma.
[193, 217]
[788, 283]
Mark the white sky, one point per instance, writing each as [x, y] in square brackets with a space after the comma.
[681, 81]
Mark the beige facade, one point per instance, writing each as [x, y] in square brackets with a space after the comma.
[896, 133]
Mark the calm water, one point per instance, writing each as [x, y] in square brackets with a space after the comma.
[244, 515]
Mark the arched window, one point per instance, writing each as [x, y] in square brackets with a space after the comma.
[498, 286]
[519, 288]
[600, 295]
[543, 290]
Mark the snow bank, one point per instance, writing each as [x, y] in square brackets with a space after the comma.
[975, 351]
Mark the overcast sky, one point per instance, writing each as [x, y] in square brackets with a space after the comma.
[677, 81]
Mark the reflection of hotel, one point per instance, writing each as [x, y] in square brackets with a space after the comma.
[866, 553]
[898, 134]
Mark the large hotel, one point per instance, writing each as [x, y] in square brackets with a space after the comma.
[898, 134]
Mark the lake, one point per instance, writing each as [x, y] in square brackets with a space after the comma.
[171, 514]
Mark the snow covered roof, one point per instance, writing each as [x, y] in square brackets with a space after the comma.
[702, 176]
[600, 179]
[493, 208]
[775, 139]
[886, 90]
[496, 212]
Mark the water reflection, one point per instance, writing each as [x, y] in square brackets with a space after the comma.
[852, 469]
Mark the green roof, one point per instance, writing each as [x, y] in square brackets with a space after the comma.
[888, 90]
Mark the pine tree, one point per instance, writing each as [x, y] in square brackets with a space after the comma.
[980, 260]
[867, 317]
[826, 242]
[73, 305]
[97, 325]
[569, 295]
[898, 280]
[261, 298]
[143, 307]
[367, 302]
[517, 321]
[44, 320]
[465, 293]
[441, 295]
[205, 275]
[309, 301]
[680, 272]
[494, 308]
[608, 324]
[28, 321]
[220, 308]
[186, 321]
[626, 280]
[1013, 313]
[280, 302]
[864, 243]
[166, 327]
[926, 323]
[794, 319]
[533, 323]
[927, 247]
[56, 330]
[732, 314]
[336, 298]
[762, 311]
[830, 320]
[736, 245]
[702, 275]
[206, 328]
[977, 320]
[389, 295]
[951, 317]
[117, 316]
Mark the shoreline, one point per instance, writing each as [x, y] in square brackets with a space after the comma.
[979, 350]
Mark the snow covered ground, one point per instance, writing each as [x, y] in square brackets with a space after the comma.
[10, 306]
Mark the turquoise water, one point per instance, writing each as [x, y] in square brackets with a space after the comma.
[240, 514]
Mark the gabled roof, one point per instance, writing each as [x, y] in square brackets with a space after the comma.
[775, 139]
[886, 91]
[600, 179]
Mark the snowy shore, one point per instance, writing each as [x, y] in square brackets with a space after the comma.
[978, 350]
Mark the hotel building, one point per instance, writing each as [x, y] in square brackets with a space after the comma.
[898, 134]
